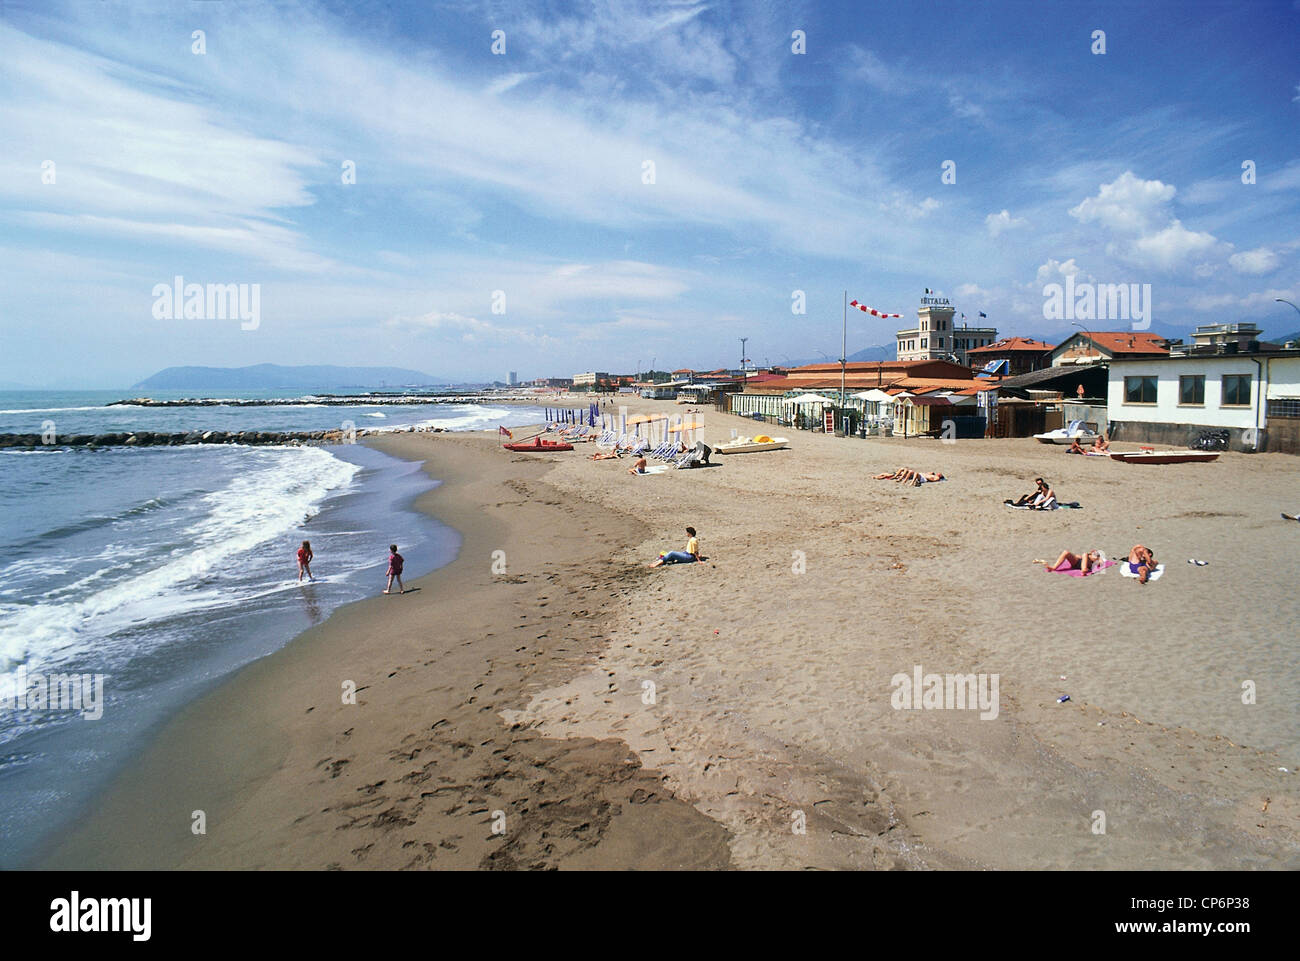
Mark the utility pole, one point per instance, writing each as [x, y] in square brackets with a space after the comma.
[742, 355]
[844, 347]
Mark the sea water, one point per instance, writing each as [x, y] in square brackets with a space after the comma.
[161, 570]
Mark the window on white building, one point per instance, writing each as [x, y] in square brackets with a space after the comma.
[1191, 390]
[1236, 390]
[1139, 390]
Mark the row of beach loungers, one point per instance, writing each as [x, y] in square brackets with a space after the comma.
[666, 450]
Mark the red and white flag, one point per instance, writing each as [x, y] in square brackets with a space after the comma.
[871, 310]
[506, 432]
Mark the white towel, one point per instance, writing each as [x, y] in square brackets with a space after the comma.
[1127, 571]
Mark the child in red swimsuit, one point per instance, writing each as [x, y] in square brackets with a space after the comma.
[395, 563]
[304, 561]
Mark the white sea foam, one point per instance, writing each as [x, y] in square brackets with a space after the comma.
[260, 504]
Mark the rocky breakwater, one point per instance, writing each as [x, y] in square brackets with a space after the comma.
[144, 438]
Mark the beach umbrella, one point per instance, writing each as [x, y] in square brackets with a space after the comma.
[693, 425]
[806, 399]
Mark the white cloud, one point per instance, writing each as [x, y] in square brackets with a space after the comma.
[1255, 262]
[1054, 270]
[1001, 222]
[1128, 204]
[507, 82]
[1257, 300]
[1169, 248]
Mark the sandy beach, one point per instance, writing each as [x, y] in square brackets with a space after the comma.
[578, 710]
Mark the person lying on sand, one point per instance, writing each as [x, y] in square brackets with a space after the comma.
[905, 475]
[638, 467]
[1073, 562]
[612, 455]
[1141, 562]
[688, 556]
[1074, 447]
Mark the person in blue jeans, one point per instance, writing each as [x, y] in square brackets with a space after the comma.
[688, 556]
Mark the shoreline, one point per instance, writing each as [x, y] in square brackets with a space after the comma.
[290, 777]
[758, 722]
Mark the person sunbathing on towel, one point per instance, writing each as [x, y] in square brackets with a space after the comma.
[1041, 494]
[1141, 562]
[638, 467]
[612, 455]
[1073, 562]
[1074, 447]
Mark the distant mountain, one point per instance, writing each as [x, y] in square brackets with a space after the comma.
[276, 377]
[874, 354]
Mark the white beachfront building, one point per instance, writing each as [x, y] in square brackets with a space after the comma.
[1252, 393]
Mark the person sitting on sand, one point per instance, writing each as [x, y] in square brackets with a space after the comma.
[1033, 497]
[1141, 562]
[1045, 498]
[395, 564]
[1074, 447]
[1073, 562]
[688, 556]
[1100, 446]
[304, 561]
[638, 467]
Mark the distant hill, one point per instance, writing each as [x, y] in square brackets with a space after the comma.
[276, 377]
[873, 354]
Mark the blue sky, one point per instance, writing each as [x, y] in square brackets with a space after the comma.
[524, 173]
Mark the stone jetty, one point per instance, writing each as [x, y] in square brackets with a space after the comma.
[332, 400]
[144, 438]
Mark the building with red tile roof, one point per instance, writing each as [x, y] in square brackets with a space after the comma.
[1022, 354]
[1094, 347]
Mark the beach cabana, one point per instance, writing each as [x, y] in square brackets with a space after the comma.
[807, 400]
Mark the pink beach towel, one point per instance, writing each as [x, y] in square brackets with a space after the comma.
[1064, 568]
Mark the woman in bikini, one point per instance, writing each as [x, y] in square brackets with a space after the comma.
[1070, 562]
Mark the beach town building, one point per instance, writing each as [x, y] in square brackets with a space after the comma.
[1095, 347]
[558, 382]
[590, 379]
[935, 338]
[878, 390]
[1251, 391]
[1019, 355]
[1211, 335]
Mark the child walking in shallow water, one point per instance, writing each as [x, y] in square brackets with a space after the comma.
[304, 561]
[395, 563]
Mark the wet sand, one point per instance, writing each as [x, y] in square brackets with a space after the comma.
[737, 713]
